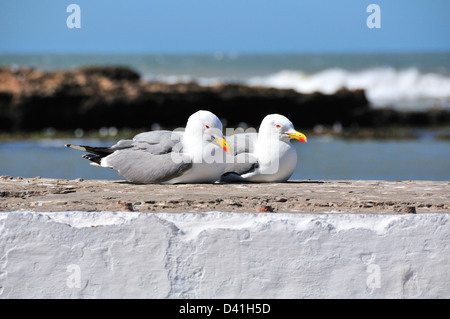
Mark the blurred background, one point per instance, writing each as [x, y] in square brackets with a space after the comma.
[374, 102]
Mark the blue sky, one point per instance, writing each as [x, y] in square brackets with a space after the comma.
[242, 26]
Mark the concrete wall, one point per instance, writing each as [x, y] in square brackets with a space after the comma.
[223, 255]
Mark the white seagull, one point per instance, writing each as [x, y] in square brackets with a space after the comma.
[267, 156]
[193, 156]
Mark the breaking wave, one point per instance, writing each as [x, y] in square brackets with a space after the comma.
[407, 88]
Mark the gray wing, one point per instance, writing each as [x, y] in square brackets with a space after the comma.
[151, 157]
[242, 145]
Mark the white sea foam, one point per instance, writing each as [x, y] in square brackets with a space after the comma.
[384, 86]
[387, 86]
[185, 78]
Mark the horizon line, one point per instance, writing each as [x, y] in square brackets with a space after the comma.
[225, 52]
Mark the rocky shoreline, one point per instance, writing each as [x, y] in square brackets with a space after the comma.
[302, 196]
[92, 97]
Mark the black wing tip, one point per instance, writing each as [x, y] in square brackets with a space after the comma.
[102, 151]
[93, 158]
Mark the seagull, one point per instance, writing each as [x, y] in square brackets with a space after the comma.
[193, 156]
[267, 156]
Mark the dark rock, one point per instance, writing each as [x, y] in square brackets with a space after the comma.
[112, 73]
[91, 97]
[407, 210]
[126, 207]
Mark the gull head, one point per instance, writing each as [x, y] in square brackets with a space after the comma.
[279, 126]
[206, 126]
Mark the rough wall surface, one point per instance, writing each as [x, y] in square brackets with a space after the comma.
[223, 255]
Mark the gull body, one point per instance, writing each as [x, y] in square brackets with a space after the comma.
[192, 156]
[266, 156]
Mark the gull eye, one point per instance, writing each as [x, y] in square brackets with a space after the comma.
[207, 126]
[277, 126]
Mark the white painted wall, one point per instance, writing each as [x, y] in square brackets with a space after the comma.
[223, 255]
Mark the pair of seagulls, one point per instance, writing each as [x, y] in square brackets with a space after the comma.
[201, 154]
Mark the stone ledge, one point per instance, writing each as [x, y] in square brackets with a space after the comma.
[321, 196]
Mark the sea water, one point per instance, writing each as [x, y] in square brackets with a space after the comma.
[320, 158]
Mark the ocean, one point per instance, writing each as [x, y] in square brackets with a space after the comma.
[401, 81]
[322, 158]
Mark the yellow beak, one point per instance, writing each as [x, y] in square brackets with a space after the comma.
[298, 136]
[223, 143]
